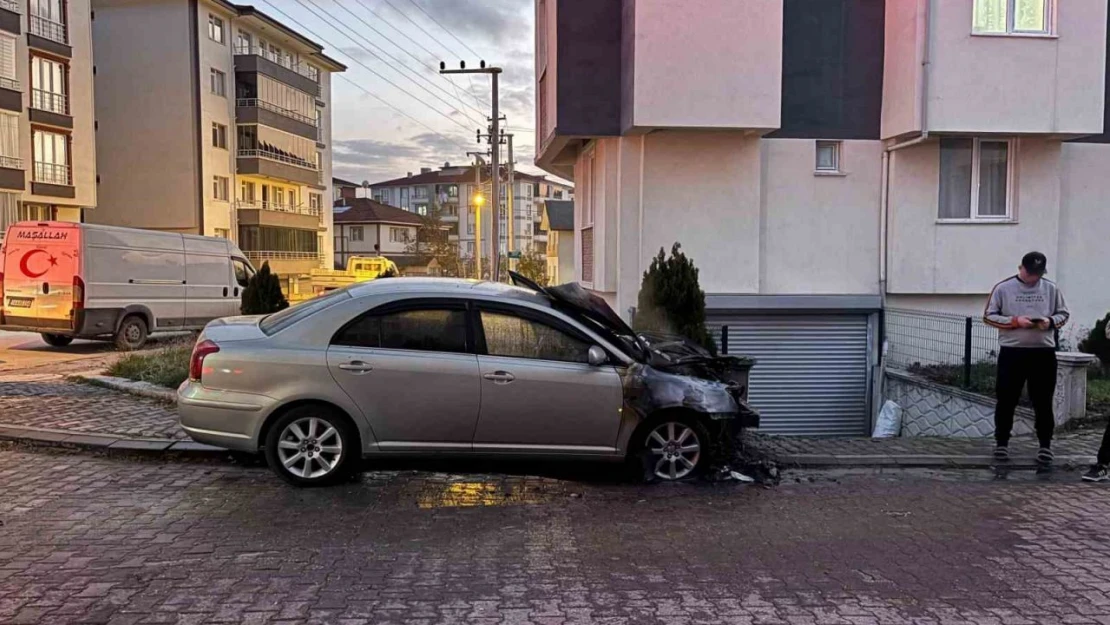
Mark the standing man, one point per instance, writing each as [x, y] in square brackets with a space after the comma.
[1026, 309]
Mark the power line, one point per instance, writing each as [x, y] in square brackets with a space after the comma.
[405, 50]
[372, 95]
[406, 92]
[434, 55]
[371, 53]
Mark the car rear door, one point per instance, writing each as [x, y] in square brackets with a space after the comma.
[410, 367]
[539, 392]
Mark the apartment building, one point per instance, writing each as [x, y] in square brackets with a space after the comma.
[47, 139]
[820, 160]
[215, 118]
[453, 189]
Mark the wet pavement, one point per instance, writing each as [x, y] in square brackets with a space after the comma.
[88, 539]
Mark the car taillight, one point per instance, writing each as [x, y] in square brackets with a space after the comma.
[196, 361]
[78, 293]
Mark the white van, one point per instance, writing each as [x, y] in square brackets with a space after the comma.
[68, 280]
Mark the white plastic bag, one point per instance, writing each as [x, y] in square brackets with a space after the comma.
[889, 423]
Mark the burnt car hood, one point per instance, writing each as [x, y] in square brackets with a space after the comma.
[671, 371]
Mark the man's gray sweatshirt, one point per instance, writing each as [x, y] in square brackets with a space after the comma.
[1013, 298]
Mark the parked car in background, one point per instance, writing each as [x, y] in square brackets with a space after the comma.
[70, 280]
[426, 365]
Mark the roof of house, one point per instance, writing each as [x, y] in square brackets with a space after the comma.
[560, 214]
[436, 176]
[246, 10]
[364, 210]
[339, 182]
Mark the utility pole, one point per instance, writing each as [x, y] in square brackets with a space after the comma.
[512, 195]
[495, 158]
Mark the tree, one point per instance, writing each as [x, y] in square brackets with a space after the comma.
[263, 293]
[671, 301]
[433, 241]
[533, 265]
[1098, 343]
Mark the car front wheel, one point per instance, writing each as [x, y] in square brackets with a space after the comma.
[311, 446]
[675, 447]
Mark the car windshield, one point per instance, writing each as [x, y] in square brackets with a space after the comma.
[282, 319]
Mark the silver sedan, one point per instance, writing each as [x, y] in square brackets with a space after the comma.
[417, 366]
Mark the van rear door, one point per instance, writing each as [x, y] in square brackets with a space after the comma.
[40, 263]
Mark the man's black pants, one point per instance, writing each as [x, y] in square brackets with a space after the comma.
[1016, 367]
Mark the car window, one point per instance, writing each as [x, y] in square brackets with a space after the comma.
[429, 330]
[285, 318]
[243, 272]
[517, 337]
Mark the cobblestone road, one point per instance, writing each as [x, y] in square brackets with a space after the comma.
[99, 540]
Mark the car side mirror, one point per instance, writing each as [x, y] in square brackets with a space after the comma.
[597, 356]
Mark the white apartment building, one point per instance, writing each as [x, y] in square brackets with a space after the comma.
[824, 160]
[215, 118]
[47, 126]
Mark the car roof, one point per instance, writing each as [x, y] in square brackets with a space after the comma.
[457, 287]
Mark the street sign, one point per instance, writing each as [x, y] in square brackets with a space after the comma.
[515, 254]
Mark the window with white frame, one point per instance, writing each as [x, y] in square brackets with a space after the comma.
[315, 201]
[218, 82]
[219, 136]
[9, 141]
[399, 235]
[51, 154]
[48, 85]
[245, 43]
[420, 193]
[356, 233]
[421, 209]
[8, 78]
[220, 186]
[1001, 17]
[828, 156]
[215, 28]
[976, 179]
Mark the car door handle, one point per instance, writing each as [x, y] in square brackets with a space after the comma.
[500, 377]
[357, 367]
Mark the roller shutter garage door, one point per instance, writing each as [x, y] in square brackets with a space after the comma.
[811, 377]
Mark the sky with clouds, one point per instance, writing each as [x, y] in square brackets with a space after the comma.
[392, 112]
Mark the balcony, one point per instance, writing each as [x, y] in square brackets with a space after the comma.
[52, 179]
[50, 108]
[286, 263]
[11, 173]
[282, 166]
[256, 111]
[49, 35]
[296, 75]
[9, 16]
[259, 213]
[11, 95]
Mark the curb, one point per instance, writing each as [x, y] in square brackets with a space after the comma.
[131, 387]
[826, 461]
[109, 443]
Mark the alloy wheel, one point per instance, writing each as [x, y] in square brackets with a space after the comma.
[310, 448]
[675, 448]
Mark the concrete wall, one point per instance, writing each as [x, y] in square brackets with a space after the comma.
[218, 214]
[819, 233]
[146, 143]
[716, 65]
[905, 26]
[930, 257]
[1083, 258]
[327, 240]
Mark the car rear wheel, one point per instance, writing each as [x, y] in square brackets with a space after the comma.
[57, 340]
[131, 334]
[675, 447]
[312, 446]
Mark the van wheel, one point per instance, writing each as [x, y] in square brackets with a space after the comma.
[57, 340]
[132, 334]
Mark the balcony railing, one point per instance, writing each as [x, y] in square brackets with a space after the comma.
[279, 59]
[49, 29]
[11, 162]
[261, 255]
[50, 101]
[10, 83]
[274, 156]
[299, 209]
[304, 119]
[52, 173]
[12, 5]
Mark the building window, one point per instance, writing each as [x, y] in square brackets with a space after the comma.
[356, 233]
[315, 201]
[51, 153]
[558, 195]
[828, 156]
[420, 193]
[218, 82]
[220, 185]
[244, 44]
[48, 20]
[48, 86]
[1000, 17]
[9, 141]
[421, 209]
[399, 235]
[976, 179]
[8, 78]
[470, 228]
[219, 136]
[215, 29]
[36, 212]
[223, 233]
[453, 191]
[470, 248]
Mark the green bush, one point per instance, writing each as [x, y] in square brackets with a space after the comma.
[671, 301]
[168, 366]
[263, 293]
[1098, 343]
